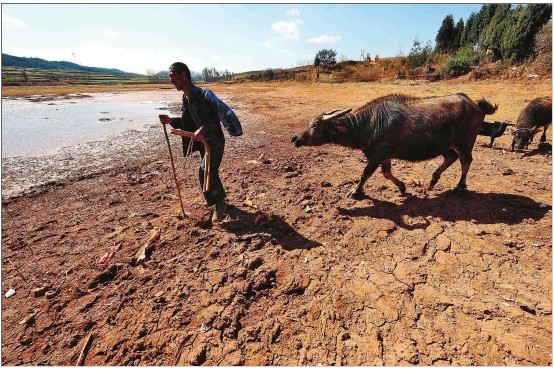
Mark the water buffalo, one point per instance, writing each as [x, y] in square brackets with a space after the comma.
[404, 127]
[493, 130]
[535, 115]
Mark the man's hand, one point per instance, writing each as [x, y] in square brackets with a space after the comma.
[199, 134]
[164, 119]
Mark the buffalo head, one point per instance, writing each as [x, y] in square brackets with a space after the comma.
[321, 130]
[522, 138]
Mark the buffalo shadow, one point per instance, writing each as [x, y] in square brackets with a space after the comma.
[482, 208]
[241, 223]
[542, 149]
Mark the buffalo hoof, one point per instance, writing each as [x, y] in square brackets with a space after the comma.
[357, 195]
[459, 191]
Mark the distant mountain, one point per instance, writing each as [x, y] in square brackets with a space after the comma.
[22, 62]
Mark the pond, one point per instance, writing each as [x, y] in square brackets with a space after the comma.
[41, 125]
[52, 139]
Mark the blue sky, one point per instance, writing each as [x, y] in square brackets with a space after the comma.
[237, 37]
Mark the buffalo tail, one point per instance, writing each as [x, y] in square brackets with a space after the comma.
[486, 107]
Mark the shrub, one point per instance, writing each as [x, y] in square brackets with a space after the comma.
[543, 49]
[461, 63]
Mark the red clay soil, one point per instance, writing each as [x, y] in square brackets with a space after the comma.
[297, 274]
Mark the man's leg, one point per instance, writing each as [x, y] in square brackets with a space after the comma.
[216, 194]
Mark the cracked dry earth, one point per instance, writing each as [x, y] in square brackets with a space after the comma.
[297, 274]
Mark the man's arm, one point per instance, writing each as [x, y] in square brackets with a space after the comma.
[226, 115]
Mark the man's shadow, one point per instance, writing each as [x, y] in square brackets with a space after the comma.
[241, 223]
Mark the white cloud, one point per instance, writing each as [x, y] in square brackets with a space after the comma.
[11, 22]
[286, 52]
[289, 30]
[268, 44]
[217, 58]
[294, 13]
[106, 32]
[324, 39]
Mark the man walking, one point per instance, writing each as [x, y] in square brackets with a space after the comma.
[201, 113]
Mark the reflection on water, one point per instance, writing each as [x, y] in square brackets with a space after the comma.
[42, 126]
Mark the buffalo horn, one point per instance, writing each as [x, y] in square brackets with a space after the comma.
[335, 114]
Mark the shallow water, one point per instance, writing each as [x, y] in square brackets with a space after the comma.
[53, 139]
[41, 125]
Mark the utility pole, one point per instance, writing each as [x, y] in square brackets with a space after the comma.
[362, 54]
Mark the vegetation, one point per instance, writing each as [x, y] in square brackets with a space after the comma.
[37, 63]
[492, 41]
[38, 76]
[212, 75]
[325, 57]
[498, 31]
[418, 56]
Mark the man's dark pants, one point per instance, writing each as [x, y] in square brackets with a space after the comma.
[217, 192]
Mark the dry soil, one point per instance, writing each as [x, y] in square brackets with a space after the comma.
[297, 274]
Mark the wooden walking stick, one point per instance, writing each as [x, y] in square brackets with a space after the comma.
[173, 170]
[180, 132]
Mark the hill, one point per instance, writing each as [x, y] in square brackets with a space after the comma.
[38, 63]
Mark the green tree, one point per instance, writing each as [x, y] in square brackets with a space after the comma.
[492, 34]
[465, 37]
[482, 19]
[325, 57]
[459, 28]
[418, 55]
[445, 39]
[518, 41]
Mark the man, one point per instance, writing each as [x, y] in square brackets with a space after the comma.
[201, 113]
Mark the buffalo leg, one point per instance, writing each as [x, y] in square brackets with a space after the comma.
[466, 160]
[449, 158]
[544, 136]
[370, 168]
[386, 171]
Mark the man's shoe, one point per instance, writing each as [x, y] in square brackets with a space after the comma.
[219, 211]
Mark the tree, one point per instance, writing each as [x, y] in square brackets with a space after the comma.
[418, 55]
[459, 29]
[445, 39]
[480, 22]
[465, 37]
[518, 40]
[325, 57]
[492, 34]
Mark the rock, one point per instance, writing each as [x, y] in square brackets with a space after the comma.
[38, 292]
[443, 242]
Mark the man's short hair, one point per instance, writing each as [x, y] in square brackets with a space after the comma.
[179, 67]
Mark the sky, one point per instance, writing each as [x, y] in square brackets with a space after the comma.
[142, 38]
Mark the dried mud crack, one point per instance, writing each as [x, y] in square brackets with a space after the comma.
[297, 273]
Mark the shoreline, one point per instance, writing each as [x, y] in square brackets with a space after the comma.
[27, 176]
[30, 175]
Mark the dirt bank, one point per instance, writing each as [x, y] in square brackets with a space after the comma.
[297, 274]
